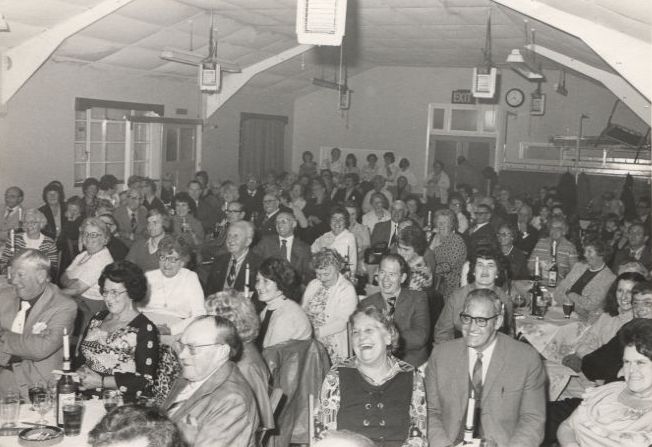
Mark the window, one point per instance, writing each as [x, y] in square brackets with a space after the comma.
[107, 143]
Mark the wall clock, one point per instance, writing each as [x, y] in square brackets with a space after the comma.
[514, 97]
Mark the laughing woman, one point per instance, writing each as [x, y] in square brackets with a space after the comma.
[373, 393]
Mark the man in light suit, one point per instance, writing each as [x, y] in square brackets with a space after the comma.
[507, 378]
[408, 308]
[297, 252]
[131, 218]
[388, 231]
[212, 403]
[33, 315]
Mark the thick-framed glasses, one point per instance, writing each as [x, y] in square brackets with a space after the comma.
[192, 349]
[479, 321]
[171, 259]
[88, 235]
[113, 293]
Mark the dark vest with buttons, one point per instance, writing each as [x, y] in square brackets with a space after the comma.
[381, 413]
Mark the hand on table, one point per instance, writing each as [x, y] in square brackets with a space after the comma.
[573, 362]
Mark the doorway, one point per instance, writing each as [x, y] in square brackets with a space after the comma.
[179, 152]
[479, 152]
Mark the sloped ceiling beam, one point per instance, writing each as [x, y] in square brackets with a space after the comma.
[627, 55]
[233, 82]
[621, 88]
[19, 63]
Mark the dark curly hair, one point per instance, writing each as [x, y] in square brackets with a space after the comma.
[602, 247]
[90, 181]
[341, 210]
[611, 302]
[490, 253]
[281, 272]
[413, 236]
[55, 186]
[638, 333]
[129, 422]
[128, 274]
[184, 197]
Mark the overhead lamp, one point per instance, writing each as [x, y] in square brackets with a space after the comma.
[190, 58]
[520, 64]
[4, 25]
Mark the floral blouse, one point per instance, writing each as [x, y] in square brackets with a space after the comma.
[420, 275]
[129, 353]
[329, 402]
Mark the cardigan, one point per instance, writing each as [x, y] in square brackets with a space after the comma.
[589, 304]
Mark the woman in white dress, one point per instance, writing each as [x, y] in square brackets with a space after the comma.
[339, 239]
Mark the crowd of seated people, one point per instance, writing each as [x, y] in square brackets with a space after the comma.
[180, 295]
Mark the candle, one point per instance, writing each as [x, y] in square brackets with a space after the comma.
[246, 286]
[429, 223]
[536, 266]
[66, 345]
[174, 190]
[20, 214]
[470, 413]
[11, 240]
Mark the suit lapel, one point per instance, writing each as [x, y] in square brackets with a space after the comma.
[215, 381]
[42, 304]
[495, 365]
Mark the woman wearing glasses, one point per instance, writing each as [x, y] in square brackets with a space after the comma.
[487, 271]
[80, 280]
[175, 294]
[119, 348]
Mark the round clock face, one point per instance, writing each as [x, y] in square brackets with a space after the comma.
[515, 97]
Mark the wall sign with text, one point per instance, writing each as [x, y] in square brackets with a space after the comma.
[462, 97]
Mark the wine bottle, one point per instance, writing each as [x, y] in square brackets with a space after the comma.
[553, 273]
[66, 386]
[538, 301]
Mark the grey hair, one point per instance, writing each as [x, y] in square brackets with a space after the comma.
[246, 226]
[34, 257]
[34, 212]
[95, 222]
[486, 295]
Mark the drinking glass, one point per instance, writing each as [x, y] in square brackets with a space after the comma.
[35, 390]
[72, 417]
[43, 403]
[567, 306]
[9, 408]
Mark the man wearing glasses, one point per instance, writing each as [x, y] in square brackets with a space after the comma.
[505, 377]
[211, 403]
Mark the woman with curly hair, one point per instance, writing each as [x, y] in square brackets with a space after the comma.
[282, 319]
[119, 348]
[373, 393]
[239, 310]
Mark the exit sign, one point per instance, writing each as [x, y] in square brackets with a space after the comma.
[462, 97]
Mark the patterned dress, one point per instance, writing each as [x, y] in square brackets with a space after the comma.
[420, 275]
[129, 353]
[330, 398]
[450, 256]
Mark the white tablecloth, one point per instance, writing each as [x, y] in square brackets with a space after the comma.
[93, 413]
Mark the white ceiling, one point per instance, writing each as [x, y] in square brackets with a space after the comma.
[436, 33]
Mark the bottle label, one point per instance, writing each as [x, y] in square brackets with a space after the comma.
[552, 278]
[63, 399]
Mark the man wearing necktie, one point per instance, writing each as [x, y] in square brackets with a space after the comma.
[408, 308]
[131, 218]
[506, 376]
[33, 315]
[387, 231]
[11, 214]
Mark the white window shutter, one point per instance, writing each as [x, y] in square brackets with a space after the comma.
[321, 22]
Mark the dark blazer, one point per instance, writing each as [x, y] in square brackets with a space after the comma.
[50, 228]
[381, 232]
[513, 394]
[121, 216]
[623, 256]
[218, 272]
[267, 225]
[412, 317]
[155, 204]
[518, 264]
[251, 203]
[300, 256]
[527, 243]
[209, 211]
[221, 412]
[356, 196]
[486, 235]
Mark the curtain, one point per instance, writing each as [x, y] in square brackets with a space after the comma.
[262, 144]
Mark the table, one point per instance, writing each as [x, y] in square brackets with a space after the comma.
[554, 337]
[93, 413]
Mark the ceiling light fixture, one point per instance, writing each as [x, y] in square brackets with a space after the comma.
[4, 25]
[526, 68]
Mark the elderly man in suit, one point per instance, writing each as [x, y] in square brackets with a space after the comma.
[388, 231]
[285, 245]
[212, 403]
[229, 271]
[483, 232]
[637, 248]
[131, 218]
[266, 222]
[251, 195]
[505, 376]
[408, 308]
[11, 214]
[33, 316]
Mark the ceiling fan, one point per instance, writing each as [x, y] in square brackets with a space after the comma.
[210, 66]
